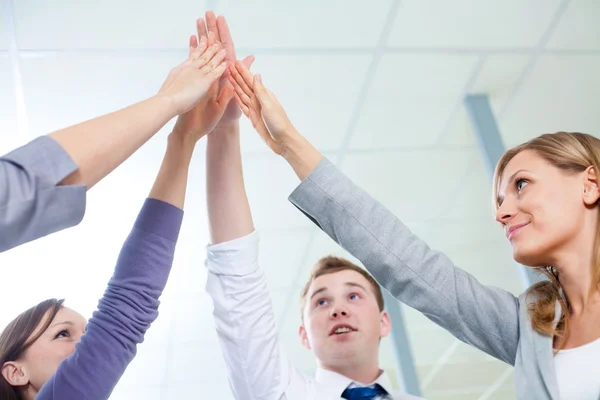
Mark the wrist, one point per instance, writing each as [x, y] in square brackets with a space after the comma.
[291, 142]
[180, 146]
[229, 125]
[225, 129]
[167, 103]
[302, 156]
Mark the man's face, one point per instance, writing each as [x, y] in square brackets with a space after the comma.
[342, 320]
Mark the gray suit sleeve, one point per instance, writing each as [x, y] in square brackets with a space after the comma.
[31, 203]
[482, 316]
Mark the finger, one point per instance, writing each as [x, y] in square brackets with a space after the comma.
[235, 85]
[248, 61]
[243, 96]
[245, 73]
[212, 38]
[201, 28]
[240, 80]
[206, 56]
[193, 43]
[218, 71]
[215, 61]
[196, 53]
[260, 90]
[211, 23]
[225, 38]
[226, 95]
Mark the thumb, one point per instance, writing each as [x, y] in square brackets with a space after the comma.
[226, 95]
[248, 61]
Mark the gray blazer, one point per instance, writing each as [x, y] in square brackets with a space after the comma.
[489, 318]
[31, 205]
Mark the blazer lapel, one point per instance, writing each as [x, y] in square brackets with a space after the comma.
[545, 357]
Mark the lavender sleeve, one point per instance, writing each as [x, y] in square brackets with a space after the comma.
[125, 312]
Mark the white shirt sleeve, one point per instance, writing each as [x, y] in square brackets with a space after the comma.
[245, 323]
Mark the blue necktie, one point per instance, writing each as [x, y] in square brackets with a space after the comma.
[364, 393]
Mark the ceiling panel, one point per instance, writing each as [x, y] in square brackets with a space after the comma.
[471, 23]
[138, 24]
[428, 343]
[410, 183]
[411, 99]
[318, 92]
[298, 24]
[196, 327]
[498, 78]
[9, 137]
[143, 391]
[148, 366]
[478, 247]
[199, 362]
[471, 199]
[63, 89]
[473, 375]
[578, 27]
[269, 181]
[322, 245]
[280, 255]
[188, 390]
[560, 94]
[4, 32]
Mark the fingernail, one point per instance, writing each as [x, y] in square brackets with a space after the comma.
[258, 78]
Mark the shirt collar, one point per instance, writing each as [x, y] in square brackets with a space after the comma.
[337, 383]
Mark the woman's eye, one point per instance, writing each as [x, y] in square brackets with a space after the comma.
[62, 334]
[520, 183]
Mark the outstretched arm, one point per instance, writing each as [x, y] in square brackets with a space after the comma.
[483, 316]
[43, 184]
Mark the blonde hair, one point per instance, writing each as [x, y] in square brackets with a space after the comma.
[572, 152]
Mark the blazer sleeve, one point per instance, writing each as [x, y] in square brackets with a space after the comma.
[31, 203]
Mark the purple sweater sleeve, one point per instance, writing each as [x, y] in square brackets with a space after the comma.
[129, 306]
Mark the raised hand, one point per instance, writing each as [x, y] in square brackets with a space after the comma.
[220, 28]
[189, 82]
[262, 107]
[218, 105]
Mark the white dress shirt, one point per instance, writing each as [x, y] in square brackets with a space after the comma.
[245, 323]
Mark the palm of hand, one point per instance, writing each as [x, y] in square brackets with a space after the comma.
[276, 120]
[232, 111]
[274, 116]
[203, 117]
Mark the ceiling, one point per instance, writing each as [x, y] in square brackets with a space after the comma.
[377, 86]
